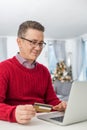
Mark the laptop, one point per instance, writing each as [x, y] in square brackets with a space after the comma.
[76, 110]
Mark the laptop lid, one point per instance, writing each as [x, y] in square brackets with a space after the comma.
[76, 110]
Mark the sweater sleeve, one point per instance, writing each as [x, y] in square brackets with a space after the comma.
[7, 112]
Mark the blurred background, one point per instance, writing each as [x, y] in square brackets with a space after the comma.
[65, 24]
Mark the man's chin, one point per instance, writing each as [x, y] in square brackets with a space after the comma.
[34, 58]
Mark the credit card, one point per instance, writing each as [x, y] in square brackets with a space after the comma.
[39, 107]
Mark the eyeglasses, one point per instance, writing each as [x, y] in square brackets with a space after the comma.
[34, 43]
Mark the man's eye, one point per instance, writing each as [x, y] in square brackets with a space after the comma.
[34, 42]
[40, 44]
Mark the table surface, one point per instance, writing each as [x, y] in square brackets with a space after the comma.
[37, 124]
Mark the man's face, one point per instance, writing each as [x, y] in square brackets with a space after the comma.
[28, 50]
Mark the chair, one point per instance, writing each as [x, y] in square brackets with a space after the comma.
[62, 89]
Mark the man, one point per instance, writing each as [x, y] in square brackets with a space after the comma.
[23, 81]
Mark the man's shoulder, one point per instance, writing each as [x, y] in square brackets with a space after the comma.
[43, 67]
[6, 62]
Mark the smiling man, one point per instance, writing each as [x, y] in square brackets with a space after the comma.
[24, 81]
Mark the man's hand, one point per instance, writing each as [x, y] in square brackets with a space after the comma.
[24, 113]
[61, 106]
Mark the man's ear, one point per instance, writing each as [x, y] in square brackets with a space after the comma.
[19, 42]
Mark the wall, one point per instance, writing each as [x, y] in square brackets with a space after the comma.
[12, 47]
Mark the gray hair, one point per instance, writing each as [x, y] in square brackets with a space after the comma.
[29, 24]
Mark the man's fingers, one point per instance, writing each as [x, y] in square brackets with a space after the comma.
[24, 113]
[61, 106]
[23, 121]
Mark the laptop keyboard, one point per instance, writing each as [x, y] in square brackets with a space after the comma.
[60, 118]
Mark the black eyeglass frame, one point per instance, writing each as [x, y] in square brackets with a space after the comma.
[31, 41]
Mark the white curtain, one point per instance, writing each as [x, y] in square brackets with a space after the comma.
[77, 58]
[3, 48]
[51, 56]
[59, 50]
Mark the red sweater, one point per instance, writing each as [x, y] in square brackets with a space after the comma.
[19, 85]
